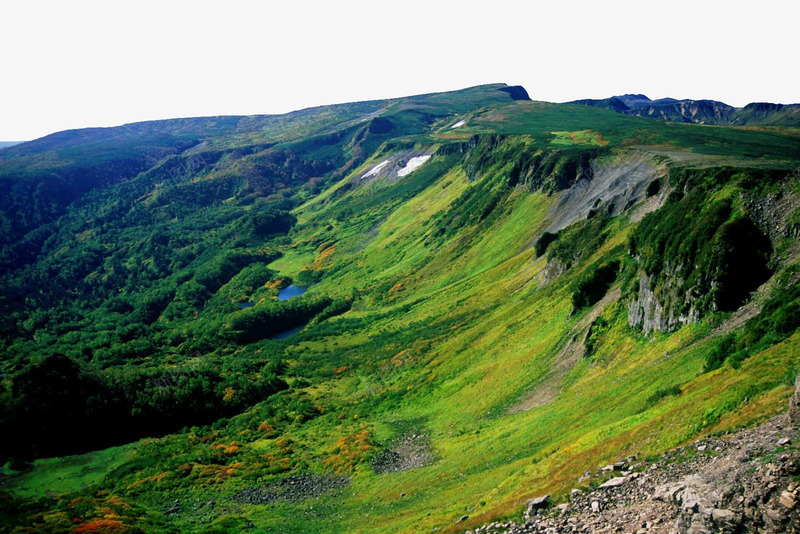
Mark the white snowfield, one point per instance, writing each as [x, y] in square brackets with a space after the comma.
[412, 165]
[459, 124]
[376, 169]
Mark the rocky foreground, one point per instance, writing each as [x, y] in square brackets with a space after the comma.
[748, 481]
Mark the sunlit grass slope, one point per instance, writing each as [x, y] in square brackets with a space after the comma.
[468, 384]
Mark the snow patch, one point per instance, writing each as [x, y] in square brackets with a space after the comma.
[459, 124]
[376, 169]
[413, 164]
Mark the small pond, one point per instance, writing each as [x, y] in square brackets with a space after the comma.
[291, 291]
[287, 293]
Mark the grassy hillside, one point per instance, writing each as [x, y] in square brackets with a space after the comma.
[502, 294]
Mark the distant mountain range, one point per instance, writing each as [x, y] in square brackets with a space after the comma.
[699, 111]
[6, 144]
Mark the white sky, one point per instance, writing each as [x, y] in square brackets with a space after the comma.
[72, 64]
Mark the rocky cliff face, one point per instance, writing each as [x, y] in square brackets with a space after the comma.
[706, 250]
[696, 111]
[648, 312]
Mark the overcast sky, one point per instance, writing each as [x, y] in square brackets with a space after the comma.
[72, 64]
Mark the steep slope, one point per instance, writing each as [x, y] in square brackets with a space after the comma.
[503, 294]
[768, 114]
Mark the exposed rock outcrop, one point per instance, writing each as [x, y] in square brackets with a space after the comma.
[612, 186]
[292, 488]
[648, 312]
[772, 214]
[410, 451]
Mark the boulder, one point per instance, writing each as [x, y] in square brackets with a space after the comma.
[670, 493]
[538, 503]
[614, 482]
[726, 520]
[788, 500]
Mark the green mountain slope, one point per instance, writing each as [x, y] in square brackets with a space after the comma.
[502, 294]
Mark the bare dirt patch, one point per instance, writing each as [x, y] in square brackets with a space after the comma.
[548, 387]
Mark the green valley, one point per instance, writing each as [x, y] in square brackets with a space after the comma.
[501, 294]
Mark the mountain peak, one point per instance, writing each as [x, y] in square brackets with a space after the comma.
[517, 92]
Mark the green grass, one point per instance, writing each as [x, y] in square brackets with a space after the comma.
[451, 328]
[50, 476]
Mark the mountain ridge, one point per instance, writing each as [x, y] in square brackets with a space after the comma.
[699, 111]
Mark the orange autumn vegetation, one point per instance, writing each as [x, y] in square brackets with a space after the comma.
[268, 429]
[209, 437]
[323, 260]
[216, 473]
[116, 501]
[397, 288]
[104, 513]
[273, 284]
[232, 448]
[102, 526]
[280, 459]
[350, 451]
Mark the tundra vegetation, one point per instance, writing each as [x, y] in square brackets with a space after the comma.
[456, 355]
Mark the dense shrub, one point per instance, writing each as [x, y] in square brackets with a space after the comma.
[712, 258]
[717, 356]
[579, 240]
[779, 319]
[56, 397]
[672, 391]
[270, 222]
[593, 286]
[543, 242]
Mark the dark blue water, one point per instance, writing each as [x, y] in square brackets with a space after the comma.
[290, 292]
[287, 333]
[286, 294]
